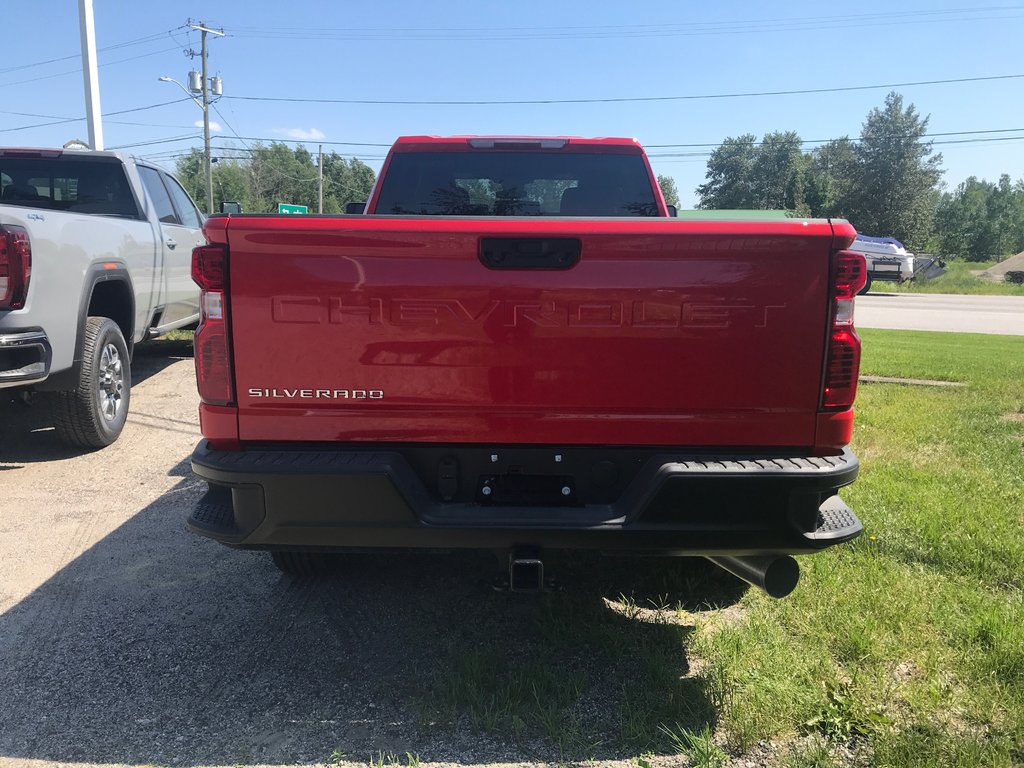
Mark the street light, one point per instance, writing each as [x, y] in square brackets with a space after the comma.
[166, 79]
[199, 83]
[205, 106]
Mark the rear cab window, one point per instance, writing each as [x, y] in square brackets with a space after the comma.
[516, 183]
[66, 183]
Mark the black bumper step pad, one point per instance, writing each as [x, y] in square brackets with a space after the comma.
[836, 522]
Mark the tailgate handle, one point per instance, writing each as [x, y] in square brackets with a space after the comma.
[529, 252]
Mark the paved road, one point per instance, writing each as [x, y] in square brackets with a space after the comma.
[125, 640]
[1002, 315]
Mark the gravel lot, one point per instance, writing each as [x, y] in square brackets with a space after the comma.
[124, 639]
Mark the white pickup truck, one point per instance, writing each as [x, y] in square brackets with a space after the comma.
[95, 256]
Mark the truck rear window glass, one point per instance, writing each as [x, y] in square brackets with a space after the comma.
[520, 183]
[66, 184]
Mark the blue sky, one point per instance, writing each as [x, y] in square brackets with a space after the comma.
[528, 50]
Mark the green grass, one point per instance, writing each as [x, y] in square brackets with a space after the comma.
[903, 648]
[910, 640]
[178, 336]
[957, 279]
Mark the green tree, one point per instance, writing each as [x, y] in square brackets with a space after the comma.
[980, 219]
[229, 179]
[896, 175]
[778, 173]
[830, 182]
[886, 183]
[279, 174]
[189, 170]
[668, 190]
[744, 173]
[345, 181]
[230, 183]
[728, 175]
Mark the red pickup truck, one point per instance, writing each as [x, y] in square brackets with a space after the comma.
[517, 347]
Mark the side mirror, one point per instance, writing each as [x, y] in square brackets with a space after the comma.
[355, 207]
[672, 210]
[230, 207]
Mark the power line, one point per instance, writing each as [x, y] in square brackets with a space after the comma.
[230, 127]
[175, 154]
[246, 152]
[979, 141]
[623, 99]
[690, 28]
[76, 71]
[316, 141]
[64, 120]
[113, 47]
[168, 140]
[977, 135]
[976, 140]
[826, 141]
[143, 109]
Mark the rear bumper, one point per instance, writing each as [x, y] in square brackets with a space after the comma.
[895, 269]
[656, 501]
[24, 357]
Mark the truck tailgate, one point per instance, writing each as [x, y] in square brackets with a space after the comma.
[664, 332]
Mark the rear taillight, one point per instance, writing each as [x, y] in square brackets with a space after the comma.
[842, 366]
[15, 266]
[214, 373]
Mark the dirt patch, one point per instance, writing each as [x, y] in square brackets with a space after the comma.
[912, 382]
[1016, 417]
[1012, 264]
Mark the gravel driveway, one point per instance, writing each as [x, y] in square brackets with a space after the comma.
[126, 640]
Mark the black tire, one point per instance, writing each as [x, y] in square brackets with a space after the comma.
[866, 288]
[93, 415]
[300, 564]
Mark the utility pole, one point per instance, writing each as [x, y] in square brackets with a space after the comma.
[206, 112]
[320, 176]
[90, 74]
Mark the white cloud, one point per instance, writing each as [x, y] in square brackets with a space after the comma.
[313, 134]
[214, 126]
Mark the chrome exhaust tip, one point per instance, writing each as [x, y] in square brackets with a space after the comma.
[775, 574]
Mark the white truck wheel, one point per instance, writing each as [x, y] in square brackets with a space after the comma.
[93, 414]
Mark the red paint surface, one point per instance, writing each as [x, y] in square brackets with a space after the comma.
[835, 429]
[219, 425]
[667, 332]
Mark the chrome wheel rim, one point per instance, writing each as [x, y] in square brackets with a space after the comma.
[111, 382]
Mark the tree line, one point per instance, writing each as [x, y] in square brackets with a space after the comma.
[276, 173]
[887, 183]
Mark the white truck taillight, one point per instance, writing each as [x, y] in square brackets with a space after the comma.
[15, 266]
[214, 374]
[842, 365]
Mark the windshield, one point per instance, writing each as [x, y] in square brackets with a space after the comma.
[479, 183]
